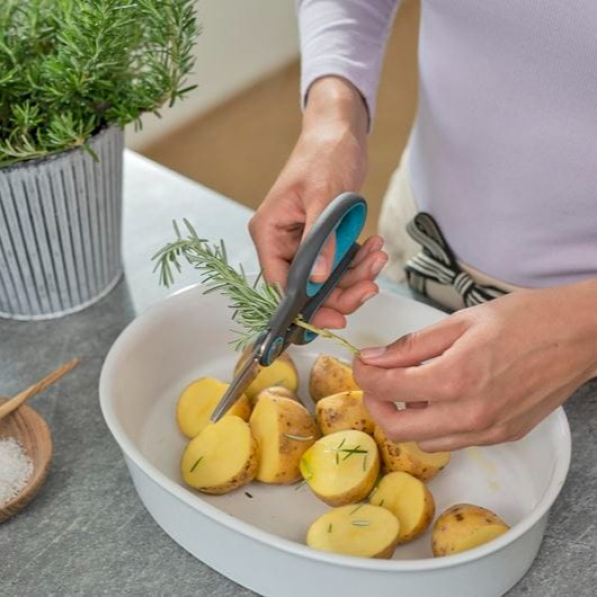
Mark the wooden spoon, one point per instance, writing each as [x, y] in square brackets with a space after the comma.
[15, 402]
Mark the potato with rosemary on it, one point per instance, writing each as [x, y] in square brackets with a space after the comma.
[223, 457]
[284, 429]
[282, 372]
[345, 410]
[365, 531]
[463, 527]
[329, 376]
[408, 457]
[341, 468]
[198, 401]
[409, 500]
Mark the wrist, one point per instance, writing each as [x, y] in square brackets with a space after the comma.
[336, 104]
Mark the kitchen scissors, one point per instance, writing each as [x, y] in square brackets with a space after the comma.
[344, 217]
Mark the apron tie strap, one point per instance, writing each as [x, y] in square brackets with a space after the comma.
[437, 262]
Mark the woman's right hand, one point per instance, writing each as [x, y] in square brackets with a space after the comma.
[329, 158]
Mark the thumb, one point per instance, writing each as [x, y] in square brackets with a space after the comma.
[414, 348]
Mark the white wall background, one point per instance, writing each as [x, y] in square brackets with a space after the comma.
[242, 42]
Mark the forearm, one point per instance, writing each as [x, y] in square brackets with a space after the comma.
[345, 38]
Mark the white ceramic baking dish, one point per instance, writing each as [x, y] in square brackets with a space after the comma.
[257, 537]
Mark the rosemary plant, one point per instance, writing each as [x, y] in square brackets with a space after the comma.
[252, 304]
[70, 67]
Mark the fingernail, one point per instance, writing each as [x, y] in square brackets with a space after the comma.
[368, 297]
[377, 266]
[320, 266]
[372, 353]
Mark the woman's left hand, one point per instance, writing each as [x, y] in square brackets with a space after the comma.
[487, 374]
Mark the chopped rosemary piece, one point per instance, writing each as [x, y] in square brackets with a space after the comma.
[360, 523]
[350, 451]
[365, 462]
[196, 463]
[298, 438]
[253, 305]
[330, 528]
[249, 495]
[381, 503]
[356, 509]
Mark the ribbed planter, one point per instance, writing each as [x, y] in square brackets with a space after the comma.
[60, 226]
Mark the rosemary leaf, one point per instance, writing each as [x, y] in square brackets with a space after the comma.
[196, 463]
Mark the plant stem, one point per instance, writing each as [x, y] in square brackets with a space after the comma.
[327, 334]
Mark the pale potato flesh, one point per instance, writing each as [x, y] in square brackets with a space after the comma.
[409, 500]
[329, 376]
[223, 457]
[463, 527]
[365, 531]
[284, 429]
[341, 468]
[282, 372]
[345, 410]
[198, 401]
[409, 458]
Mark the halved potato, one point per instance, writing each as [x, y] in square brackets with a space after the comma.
[284, 429]
[223, 457]
[345, 410]
[198, 401]
[463, 527]
[282, 372]
[409, 458]
[341, 468]
[365, 531]
[329, 376]
[278, 392]
[409, 500]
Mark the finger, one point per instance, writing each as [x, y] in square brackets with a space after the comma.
[367, 269]
[506, 430]
[348, 300]
[416, 347]
[372, 244]
[436, 421]
[323, 264]
[329, 318]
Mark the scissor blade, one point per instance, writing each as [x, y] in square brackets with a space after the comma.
[239, 384]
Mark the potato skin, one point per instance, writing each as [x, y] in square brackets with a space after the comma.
[400, 457]
[329, 376]
[292, 419]
[455, 528]
[345, 410]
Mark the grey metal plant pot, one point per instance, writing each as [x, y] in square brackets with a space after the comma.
[60, 226]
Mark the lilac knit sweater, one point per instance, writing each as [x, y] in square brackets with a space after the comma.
[503, 151]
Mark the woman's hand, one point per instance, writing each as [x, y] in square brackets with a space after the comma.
[329, 158]
[492, 372]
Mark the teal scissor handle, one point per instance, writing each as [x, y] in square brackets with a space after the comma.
[345, 217]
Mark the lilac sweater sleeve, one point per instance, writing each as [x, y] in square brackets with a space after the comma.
[346, 38]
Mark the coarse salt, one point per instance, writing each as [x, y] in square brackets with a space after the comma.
[16, 469]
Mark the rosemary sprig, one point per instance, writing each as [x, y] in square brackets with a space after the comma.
[253, 305]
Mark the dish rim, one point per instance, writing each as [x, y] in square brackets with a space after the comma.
[294, 548]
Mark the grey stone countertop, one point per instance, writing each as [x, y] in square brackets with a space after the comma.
[87, 533]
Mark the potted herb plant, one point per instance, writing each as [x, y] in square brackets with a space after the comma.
[73, 73]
